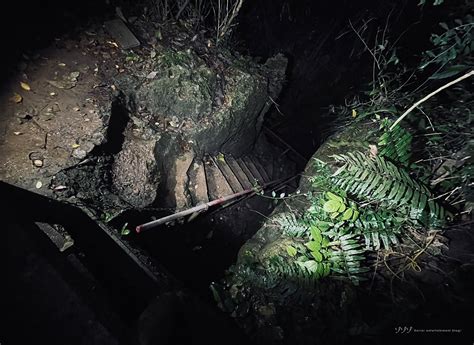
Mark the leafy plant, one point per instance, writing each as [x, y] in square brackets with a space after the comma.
[381, 181]
[124, 231]
[452, 52]
[347, 258]
[395, 145]
[290, 225]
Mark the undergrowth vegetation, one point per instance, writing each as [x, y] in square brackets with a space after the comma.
[218, 16]
[405, 182]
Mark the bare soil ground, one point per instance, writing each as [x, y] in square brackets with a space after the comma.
[55, 110]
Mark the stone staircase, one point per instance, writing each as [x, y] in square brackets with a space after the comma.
[202, 180]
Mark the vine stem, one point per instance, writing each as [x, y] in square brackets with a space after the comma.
[465, 76]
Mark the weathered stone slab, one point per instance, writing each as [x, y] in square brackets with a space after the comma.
[121, 33]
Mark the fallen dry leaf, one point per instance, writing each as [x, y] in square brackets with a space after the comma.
[59, 188]
[152, 75]
[112, 43]
[75, 146]
[373, 150]
[25, 86]
[16, 98]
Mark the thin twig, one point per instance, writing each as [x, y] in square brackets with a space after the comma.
[365, 44]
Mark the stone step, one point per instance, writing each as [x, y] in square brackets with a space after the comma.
[238, 172]
[269, 168]
[57, 234]
[246, 171]
[253, 169]
[197, 183]
[181, 190]
[261, 169]
[217, 185]
[121, 33]
[232, 180]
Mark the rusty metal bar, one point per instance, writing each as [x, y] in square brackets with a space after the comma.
[199, 208]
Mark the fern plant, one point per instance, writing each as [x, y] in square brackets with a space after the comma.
[291, 226]
[379, 180]
[347, 257]
[379, 228]
[395, 145]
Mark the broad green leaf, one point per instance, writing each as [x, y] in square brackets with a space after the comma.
[316, 234]
[313, 246]
[317, 256]
[323, 225]
[291, 251]
[331, 206]
[355, 215]
[347, 214]
[325, 242]
[332, 196]
[311, 266]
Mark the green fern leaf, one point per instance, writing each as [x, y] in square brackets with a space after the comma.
[290, 225]
[379, 180]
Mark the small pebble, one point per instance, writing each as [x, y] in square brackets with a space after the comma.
[60, 188]
[38, 163]
[39, 184]
[79, 153]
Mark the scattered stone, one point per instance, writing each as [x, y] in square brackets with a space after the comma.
[152, 75]
[74, 75]
[174, 122]
[39, 184]
[76, 108]
[17, 133]
[79, 153]
[97, 138]
[38, 163]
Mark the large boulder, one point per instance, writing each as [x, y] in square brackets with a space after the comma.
[189, 106]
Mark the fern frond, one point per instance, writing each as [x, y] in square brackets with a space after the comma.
[395, 145]
[379, 228]
[382, 181]
[291, 226]
[347, 258]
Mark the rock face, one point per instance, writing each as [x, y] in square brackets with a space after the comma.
[135, 173]
[188, 108]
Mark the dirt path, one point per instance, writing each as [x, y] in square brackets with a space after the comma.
[55, 110]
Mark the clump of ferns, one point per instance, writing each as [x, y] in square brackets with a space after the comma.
[366, 205]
